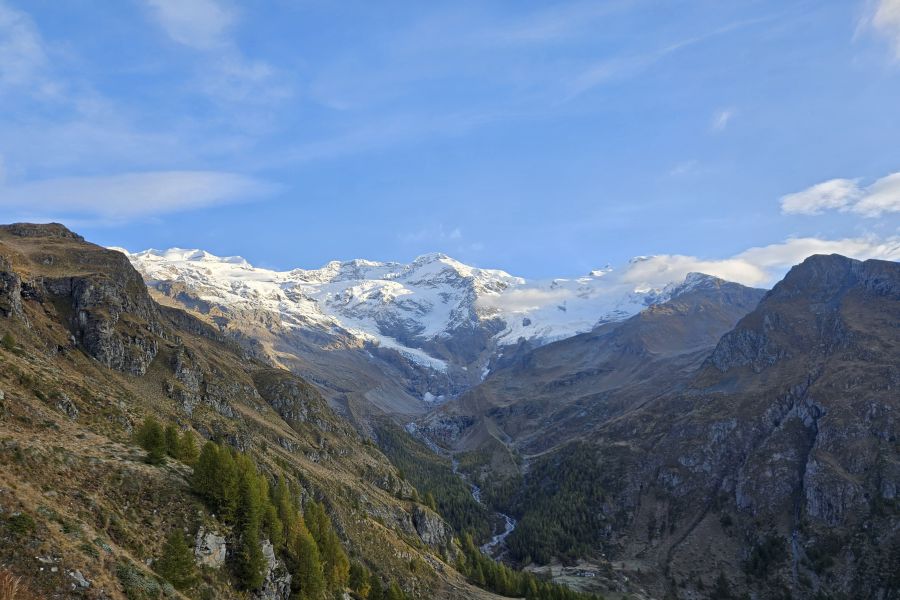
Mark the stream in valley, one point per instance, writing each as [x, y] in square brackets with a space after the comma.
[509, 524]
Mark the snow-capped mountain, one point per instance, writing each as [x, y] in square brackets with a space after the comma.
[440, 321]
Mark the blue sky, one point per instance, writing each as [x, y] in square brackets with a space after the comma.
[544, 138]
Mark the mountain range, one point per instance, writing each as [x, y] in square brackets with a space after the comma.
[411, 334]
[692, 439]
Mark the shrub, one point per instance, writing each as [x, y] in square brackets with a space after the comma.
[8, 342]
[20, 524]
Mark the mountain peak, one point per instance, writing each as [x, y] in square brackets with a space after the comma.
[40, 230]
[823, 276]
[432, 257]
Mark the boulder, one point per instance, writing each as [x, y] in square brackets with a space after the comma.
[210, 549]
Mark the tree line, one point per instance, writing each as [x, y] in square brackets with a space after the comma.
[495, 576]
[255, 509]
[232, 487]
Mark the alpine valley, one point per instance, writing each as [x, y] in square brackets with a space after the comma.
[435, 430]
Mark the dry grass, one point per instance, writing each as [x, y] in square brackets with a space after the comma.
[9, 586]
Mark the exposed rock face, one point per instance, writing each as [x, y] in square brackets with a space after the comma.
[10, 290]
[294, 400]
[432, 529]
[118, 341]
[38, 230]
[103, 299]
[210, 549]
[277, 583]
[66, 405]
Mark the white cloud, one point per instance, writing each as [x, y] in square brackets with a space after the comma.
[759, 266]
[828, 195]
[846, 195]
[722, 118]
[200, 24]
[885, 19]
[883, 196]
[131, 195]
[524, 299]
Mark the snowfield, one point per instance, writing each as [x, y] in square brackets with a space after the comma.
[405, 306]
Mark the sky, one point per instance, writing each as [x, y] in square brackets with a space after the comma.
[543, 138]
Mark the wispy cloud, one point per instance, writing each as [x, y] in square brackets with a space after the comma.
[687, 167]
[846, 195]
[383, 133]
[200, 24]
[129, 196]
[557, 23]
[722, 118]
[22, 54]
[884, 19]
[229, 75]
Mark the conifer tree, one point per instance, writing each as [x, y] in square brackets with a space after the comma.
[286, 507]
[334, 559]
[216, 480]
[249, 560]
[8, 342]
[152, 439]
[308, 575]
[187, 448]
[376, 592]
[171, 435]
[204, 471]
[176, 565]
[394, 592]
[359, 579]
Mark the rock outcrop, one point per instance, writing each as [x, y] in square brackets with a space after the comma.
[210, 549]
[277, 582]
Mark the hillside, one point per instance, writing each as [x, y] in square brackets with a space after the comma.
[87, 355]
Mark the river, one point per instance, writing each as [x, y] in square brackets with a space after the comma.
[509, 523]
